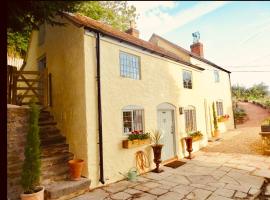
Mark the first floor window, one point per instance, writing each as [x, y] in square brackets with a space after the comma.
[190, 119]
[129, 66]
[216, 76]
[132, 120]
[187, 79]
[219, 105]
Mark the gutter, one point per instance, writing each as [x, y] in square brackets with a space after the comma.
[100, 139]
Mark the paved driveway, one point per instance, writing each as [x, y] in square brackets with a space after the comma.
[212, 176]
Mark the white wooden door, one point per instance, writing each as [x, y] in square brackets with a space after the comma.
[166, 126]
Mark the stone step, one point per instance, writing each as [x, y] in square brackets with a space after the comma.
[66, 189]
[57, 159]
[54, 139]
[55, 170]
[46, 123]
[45, 118]
[54, 149]
[48, 129]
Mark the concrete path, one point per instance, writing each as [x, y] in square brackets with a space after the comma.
[245, 139]
[211, 176]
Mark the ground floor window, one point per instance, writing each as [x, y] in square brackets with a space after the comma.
[219, 105]
[190, 119]
[132, 120]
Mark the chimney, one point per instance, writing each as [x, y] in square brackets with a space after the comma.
[196, 47]
[132, 30]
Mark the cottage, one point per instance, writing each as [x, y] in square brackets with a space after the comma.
[106, 83]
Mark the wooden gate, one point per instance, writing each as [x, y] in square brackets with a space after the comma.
[25, 85]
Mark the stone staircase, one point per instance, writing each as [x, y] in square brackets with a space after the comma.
[54, 162]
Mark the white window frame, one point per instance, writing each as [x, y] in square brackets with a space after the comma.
[220, 109]
[183, 71]
[216, 76]
[194, 118]
[128, 68]
[132, 109]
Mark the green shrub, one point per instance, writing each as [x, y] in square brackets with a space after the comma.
[32, 163]
[215, 117]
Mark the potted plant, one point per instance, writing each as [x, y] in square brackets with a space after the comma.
[157, 147]
[265, 127]
[135, 139]
[189, 141]
[75, 169]
[197, 135]
[216, 130]
[31, 166]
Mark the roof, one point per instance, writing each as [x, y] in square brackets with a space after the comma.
[125, 37]
[190, 53]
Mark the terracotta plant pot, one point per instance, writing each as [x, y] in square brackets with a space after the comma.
[75, 169]
[188, 141]
[157, 157]
[34, 196]
[217, 133]
[265, 128]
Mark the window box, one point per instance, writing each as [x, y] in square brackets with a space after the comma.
[223, 118]
[197, 138]
[127, 144]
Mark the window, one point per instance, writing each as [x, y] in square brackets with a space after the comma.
[219, 105]
[132, 119]
[129, 66]
[187, 79]
[216, 76]
[190, 119]
[41, 34]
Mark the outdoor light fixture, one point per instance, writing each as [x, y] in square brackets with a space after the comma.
[181, 110]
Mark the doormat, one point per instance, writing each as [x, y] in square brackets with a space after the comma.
[175, 164]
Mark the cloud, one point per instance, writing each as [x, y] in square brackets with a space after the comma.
[156, 17]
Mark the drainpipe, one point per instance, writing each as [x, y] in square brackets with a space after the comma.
[100, 142]
[232, 100]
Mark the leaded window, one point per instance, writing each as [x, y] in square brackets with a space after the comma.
[190, 119]
[187, 79]
[129, 66]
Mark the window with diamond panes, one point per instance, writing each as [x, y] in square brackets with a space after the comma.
[129, 66]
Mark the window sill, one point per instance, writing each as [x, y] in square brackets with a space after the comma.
[127, 144]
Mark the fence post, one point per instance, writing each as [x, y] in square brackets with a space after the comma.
[14, 86]
[45, 87]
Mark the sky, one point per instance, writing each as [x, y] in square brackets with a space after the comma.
[235, 35]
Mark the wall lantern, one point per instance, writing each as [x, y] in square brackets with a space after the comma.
[181, 110]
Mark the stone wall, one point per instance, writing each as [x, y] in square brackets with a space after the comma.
[17, 127]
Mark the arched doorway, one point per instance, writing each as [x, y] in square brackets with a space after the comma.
[166, 124]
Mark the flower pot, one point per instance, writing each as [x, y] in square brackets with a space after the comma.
[265, 128]
[189, 149]
[217, 133]
[39, 195]
[157, 156]
[75, 169]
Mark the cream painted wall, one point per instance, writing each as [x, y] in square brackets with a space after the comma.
[161, 81]
[64, 50]
[71, 58]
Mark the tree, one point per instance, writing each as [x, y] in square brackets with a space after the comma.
[31, 166]
[24, 16]
[214, 117]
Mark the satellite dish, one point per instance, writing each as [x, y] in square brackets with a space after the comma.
[196, 37]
